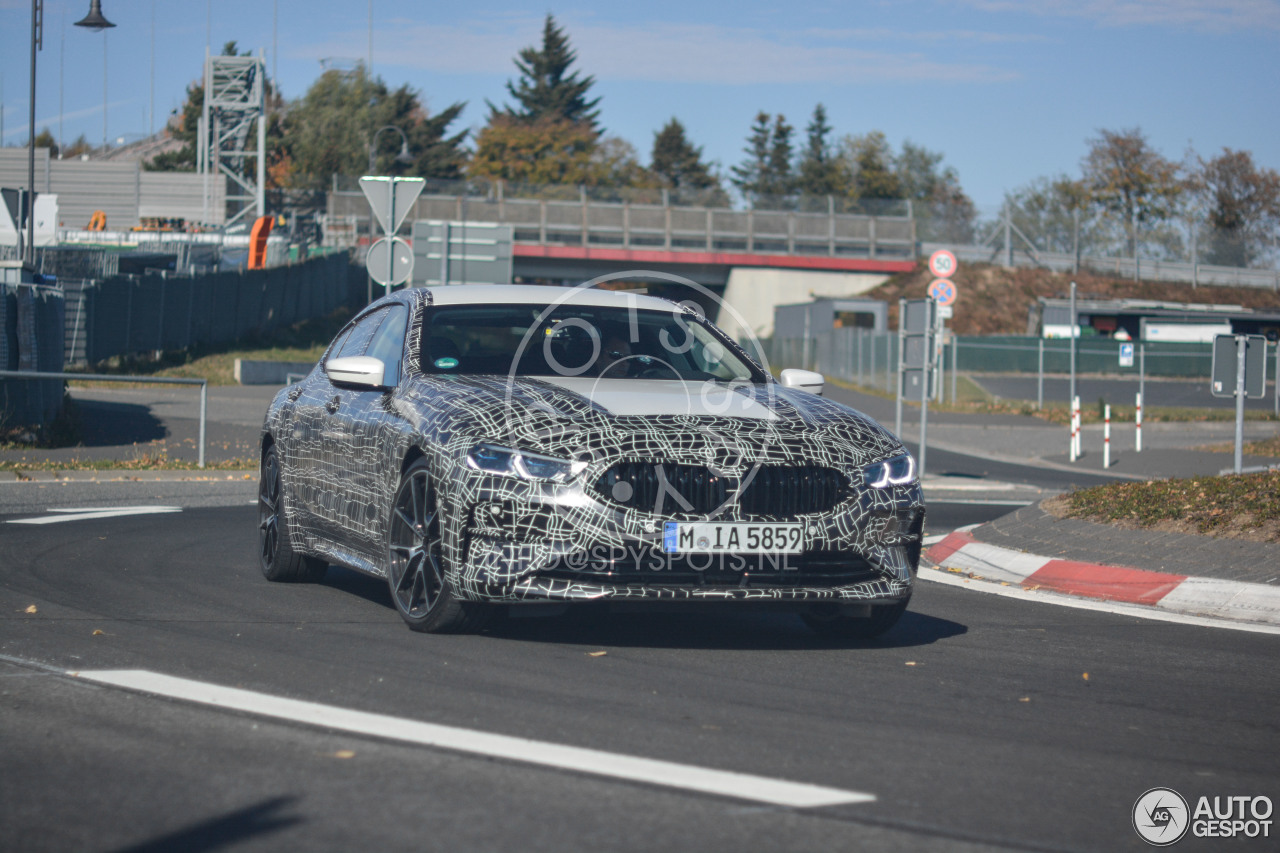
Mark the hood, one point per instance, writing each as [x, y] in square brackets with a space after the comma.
[555, 414]
[642, 397]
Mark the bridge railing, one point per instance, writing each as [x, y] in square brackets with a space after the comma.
[591, 222]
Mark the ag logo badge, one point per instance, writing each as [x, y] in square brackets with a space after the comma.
[1161, 817]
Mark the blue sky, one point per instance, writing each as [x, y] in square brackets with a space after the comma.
[1006, 90]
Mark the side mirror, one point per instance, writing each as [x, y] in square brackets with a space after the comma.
[357, 371]
[805, 380]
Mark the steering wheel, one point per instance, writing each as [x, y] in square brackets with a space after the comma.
[657, 370]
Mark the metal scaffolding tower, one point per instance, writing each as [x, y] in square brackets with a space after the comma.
[234, 103]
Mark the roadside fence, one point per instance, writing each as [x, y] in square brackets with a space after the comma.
[31, 322]
[870, 359]
[161, 311]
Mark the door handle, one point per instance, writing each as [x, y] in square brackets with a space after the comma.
[332, 405]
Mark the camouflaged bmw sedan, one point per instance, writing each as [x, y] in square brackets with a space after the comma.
[491, 446]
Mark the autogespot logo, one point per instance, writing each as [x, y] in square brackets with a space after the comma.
[1160, 817]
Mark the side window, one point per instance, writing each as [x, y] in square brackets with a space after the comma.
[388, 343]
[338, 343]
[358, 340]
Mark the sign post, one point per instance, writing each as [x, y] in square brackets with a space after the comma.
[942, 263]
[1126, 355]
[916, 328]
[390, 199]
[1239, 364]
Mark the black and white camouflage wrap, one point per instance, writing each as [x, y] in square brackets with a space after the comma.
[343, 451]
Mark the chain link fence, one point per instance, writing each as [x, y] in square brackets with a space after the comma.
[870, 359]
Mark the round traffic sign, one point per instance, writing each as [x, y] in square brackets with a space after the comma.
[390, 261]
[942, 263]
[943, 291]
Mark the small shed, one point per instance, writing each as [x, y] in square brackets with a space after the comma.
[806, 319]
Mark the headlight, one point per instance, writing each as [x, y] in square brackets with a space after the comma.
[506, 462]
[896, 471]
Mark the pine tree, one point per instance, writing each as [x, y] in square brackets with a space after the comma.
[677, 161]
[820, 172]
[779, 180]
[44, 139]
[547, 90]
[749, 175]
[766, 178]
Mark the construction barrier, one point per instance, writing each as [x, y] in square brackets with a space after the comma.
[31, 323]
[157, 311]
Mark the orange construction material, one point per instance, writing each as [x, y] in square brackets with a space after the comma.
[258, 242]
[97, 222]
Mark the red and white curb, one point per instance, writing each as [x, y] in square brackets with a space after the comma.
[960, 553]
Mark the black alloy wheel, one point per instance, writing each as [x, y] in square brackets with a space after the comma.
[276, 557]
[416, 569]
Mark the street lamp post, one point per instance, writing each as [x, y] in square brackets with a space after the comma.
[29, 205]
[403, 157]
[94, 21]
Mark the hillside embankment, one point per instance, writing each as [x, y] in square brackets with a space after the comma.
[995, 301]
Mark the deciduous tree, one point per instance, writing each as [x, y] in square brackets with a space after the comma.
[331, 128]
[44, 139]
[869, 160]
[1243, 206]
[547, 151]
[1129, 178]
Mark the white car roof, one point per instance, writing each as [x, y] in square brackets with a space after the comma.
[497, 294]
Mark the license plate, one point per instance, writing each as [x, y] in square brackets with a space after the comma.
[704, 537]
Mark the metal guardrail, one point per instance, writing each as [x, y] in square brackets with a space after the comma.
[108, 377]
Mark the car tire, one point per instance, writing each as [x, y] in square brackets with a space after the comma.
[825, 620]
[276, 557]
[417, 574]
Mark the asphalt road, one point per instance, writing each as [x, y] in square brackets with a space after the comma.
[1119, 392]
[972, 723]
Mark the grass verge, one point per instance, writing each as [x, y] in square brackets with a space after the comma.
[1245, 506]
[1261, 447]
[142, 462]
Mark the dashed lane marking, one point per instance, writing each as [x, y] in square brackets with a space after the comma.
[85, 513]
[631, 768]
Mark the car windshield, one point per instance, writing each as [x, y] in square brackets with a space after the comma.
[571, 340]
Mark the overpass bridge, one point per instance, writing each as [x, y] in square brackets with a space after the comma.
[755, 259]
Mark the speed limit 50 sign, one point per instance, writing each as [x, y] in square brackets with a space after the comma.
[942, 263]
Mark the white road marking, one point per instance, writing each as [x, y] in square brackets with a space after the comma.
[976, 501]
[93, 512]
[1117, 607]
[666, 774]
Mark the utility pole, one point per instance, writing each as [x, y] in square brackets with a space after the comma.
[151, 116]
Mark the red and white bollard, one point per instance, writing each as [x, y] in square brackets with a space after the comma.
[1106, 437]
[1075, 429]
[1137, 431]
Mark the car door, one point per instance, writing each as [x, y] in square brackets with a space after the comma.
[361, 431]
[298, 440]
[320, 457]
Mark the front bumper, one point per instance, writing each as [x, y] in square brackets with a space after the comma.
[541, 542]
